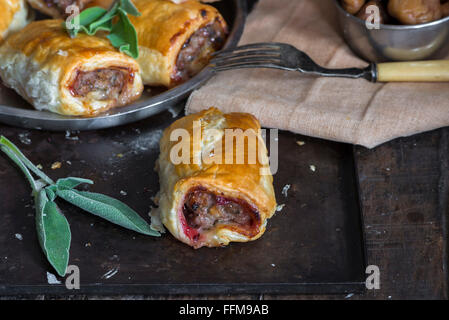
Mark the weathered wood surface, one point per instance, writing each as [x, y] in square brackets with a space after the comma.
[314, 243]
[404, 199]
[404, 189]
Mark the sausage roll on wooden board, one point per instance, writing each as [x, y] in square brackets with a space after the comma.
[14, 15]
[211, 204]
[176, 40]
[80, 76]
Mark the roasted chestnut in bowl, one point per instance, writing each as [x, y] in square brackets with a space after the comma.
[396, 30]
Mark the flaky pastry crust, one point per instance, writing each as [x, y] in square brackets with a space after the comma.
[243, 182]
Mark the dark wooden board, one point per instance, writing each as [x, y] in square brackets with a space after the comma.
[314, 245]
[404, 188]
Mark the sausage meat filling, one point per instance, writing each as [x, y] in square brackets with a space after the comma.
[104, 84]
[203, 210]
[61, 5]
[196, 52]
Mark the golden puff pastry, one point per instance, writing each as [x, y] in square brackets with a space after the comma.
[176, 40]
[203, 202]
[14, 15]
[80, 76]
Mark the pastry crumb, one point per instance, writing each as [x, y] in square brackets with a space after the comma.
[110, 273]
[280, 207]
[25, 138]
[51, 279]
[312, 168]
[285, 190]
[300, 143]
[156, 223]
[69, 136]
[56, 165]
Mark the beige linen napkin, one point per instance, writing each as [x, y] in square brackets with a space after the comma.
[353, 111]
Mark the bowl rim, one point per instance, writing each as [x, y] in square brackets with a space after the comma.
[392, 26]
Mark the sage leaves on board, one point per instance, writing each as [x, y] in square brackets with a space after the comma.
[53, 232]
[107, 208]
[115, 21]
[52, 227]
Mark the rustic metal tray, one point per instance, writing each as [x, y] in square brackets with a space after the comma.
[314, 245]
[16, 111]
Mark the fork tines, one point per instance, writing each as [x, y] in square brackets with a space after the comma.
[258, 55]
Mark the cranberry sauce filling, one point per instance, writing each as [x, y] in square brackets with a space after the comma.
[204, 210]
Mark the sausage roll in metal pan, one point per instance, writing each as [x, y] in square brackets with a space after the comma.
[176, 40]
[80, 76]
[14, 15]
[211, 203]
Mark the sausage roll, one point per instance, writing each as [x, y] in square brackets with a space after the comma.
[80, 76]
[176, 40]
[57, 8]
[209, 202]
[14, 16]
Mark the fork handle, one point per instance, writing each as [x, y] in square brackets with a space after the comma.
[418, 71]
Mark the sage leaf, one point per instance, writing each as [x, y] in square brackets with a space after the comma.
[51, 192]
[4, 142]
[90, 15]
[21, 166]
[123, 35]
[107, 208]
[105, 26]
[129, 7]
[105, 21]
[52, 227]
[71, 182]
[85, 18]
[53, 232]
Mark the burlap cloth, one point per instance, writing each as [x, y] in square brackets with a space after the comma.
[353, 111]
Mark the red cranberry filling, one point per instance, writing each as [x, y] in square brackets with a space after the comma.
[203, 210]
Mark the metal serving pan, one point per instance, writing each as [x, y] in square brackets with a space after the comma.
[17, 112]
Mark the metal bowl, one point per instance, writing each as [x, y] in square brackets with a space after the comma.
[395, 42]
[17, 112]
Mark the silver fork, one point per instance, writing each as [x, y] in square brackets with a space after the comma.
[282, 56]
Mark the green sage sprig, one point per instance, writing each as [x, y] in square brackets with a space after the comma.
[52, 227]
[122, 33]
